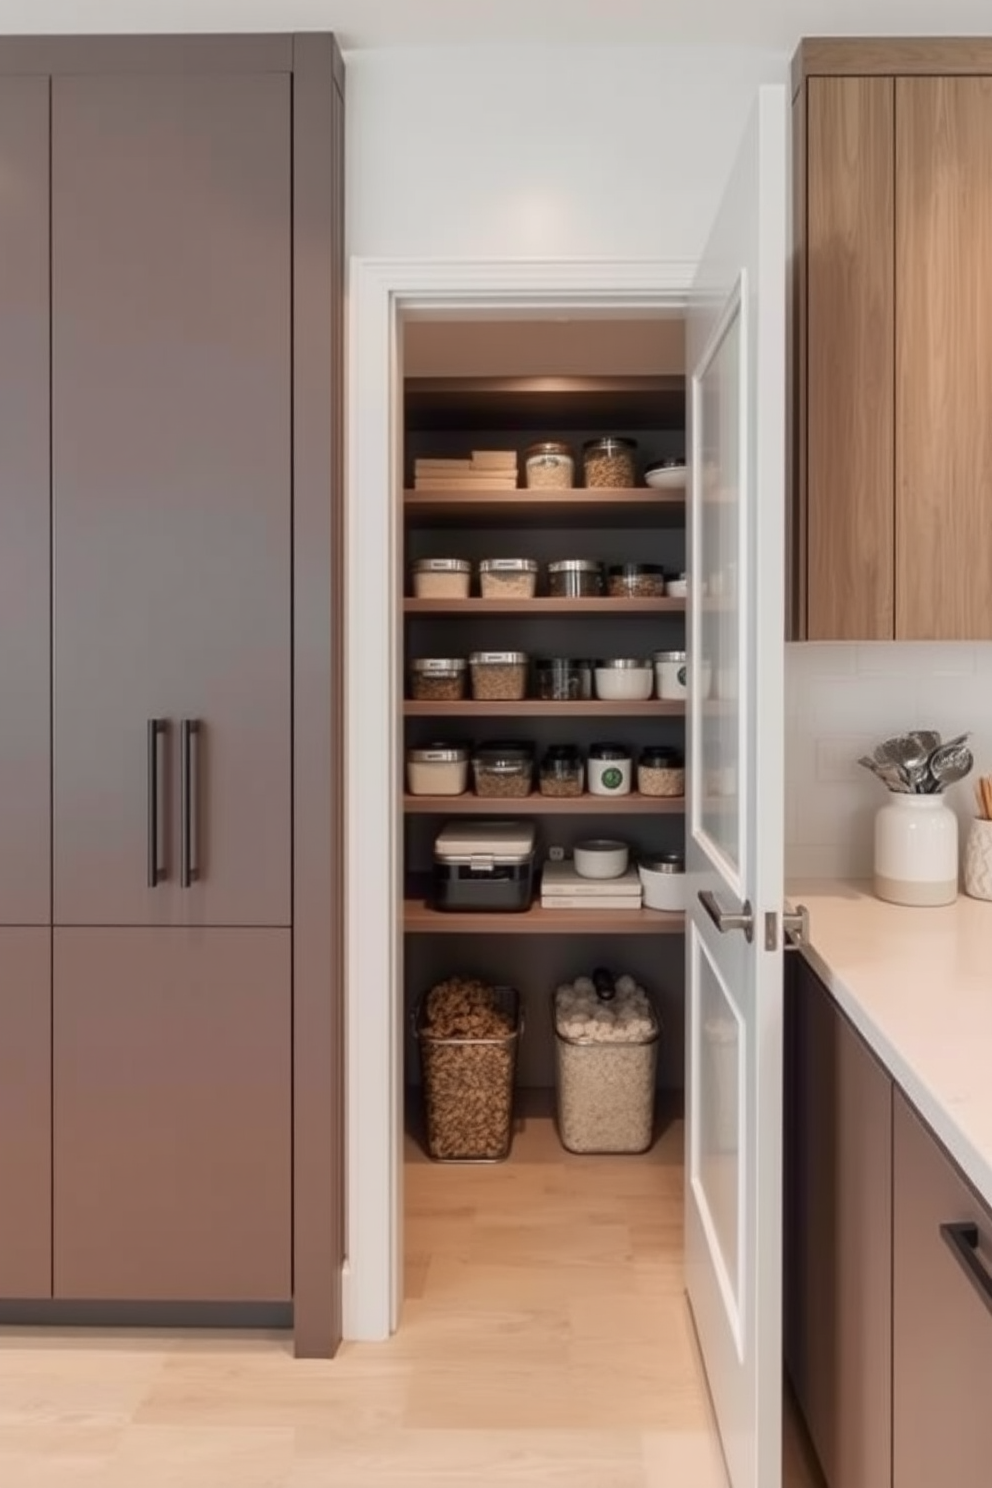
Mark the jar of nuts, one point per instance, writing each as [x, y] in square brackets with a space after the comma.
[635, 581]
[562, 771]
[575, 578]
[508, 578]
[661, 771]
[609, 463]
[549, 466]
[437, 679]
[499, 676]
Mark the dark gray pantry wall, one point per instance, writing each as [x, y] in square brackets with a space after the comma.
[171, 1060]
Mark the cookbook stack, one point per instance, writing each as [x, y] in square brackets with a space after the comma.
[562, 887]
[483, 470]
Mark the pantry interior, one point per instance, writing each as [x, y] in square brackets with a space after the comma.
[504, 382]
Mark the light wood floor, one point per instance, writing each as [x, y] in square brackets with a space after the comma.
[545, 1341]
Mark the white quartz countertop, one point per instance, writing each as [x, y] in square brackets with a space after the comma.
[917, 984]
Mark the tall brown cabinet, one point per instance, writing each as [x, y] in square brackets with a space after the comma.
[169, 442]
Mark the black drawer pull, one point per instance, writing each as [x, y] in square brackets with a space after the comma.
[963, 1241]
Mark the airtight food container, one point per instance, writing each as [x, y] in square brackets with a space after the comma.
[487, 865]
[663, 881]
[503, 771]
[438, 679]
[437, 770]
[499, 676]
[606, 1061]
[441, 578]
[508, 578]
[575, 578]
[610, 769]
[549, 465]
[624, 679]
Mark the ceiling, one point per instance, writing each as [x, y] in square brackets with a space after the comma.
[771, 24]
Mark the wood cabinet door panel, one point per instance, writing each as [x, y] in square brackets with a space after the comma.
[943, 358]
[849, 351]
[25, 1112]
[25, 589]
[173, 1114]
[172, 506]
[942, 1340]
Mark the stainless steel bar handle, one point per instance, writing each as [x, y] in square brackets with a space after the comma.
[189, 816]
[156, 729]
[724, 920]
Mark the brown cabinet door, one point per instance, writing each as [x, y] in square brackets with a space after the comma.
[943, 358]
[25, 1111]
[172, 510]
[849, 358]
[942, 1340]
[173, 1114]
[838, 1242]
[25, 659]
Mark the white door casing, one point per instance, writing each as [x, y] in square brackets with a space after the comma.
[736, 350]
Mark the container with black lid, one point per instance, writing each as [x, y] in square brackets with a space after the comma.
[635, 581]
[562, 771]
[563, 679]
[661, 771]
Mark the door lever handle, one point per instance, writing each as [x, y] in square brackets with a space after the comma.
[726, 919]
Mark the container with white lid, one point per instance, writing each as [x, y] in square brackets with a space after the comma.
[499, 676]
[508, 578]
[442, 578]
[624, 679]
[487, 865]
[437, 770]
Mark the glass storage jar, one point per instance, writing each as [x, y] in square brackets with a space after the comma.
[608, 464]
[562, 679]
[435, 679]
[437, 770]
[508, 578]
[610, 770]
[661, 771]
[635, 581]
[503, 770]
[549, 465]
[499, 676]
[575, 578]
[442, 578]
[562, 771]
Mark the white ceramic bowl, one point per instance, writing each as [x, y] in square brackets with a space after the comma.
[624, 684]
[667, 478]
[601, 857]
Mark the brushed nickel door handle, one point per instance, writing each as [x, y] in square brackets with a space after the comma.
[726, 920]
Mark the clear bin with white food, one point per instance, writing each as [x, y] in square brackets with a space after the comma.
[606, 1062]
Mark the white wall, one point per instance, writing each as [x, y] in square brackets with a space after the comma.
[531, 152]
[840, 700]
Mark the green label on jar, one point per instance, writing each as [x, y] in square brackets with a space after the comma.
[612, 778]
[682, 673]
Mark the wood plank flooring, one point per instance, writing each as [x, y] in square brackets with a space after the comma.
[545, 1341]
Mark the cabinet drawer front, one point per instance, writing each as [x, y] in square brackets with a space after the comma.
[942, 1342]
[25, 1113]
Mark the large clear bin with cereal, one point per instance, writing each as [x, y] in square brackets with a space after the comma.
[606, 1060]
[468, 1033]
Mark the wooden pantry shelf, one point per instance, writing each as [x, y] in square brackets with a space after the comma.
[549, 509]
[420, 919]
[538, 805]
[543, 403]
[536, 708]
[543, 606]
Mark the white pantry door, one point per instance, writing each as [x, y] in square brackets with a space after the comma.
[737, 410]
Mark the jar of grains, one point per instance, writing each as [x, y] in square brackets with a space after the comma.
[435, 679]
[609, 463]
[562, 771]
[442, 578]
[549, 466]
[661, 771]
[610, 770]
[575, 578]
[437, 770]
[503, 770]
[635, 581]
[508, 578]
[499, 676]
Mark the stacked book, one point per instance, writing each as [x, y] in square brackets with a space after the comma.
[562, 888]
[484, 470]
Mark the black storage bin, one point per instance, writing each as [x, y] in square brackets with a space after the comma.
[484, 866]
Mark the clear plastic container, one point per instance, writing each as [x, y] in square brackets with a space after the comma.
[609, 463]
[442, 578]
[435, 679]
[635, 581]
[562, 771]
[575, 578]
[661, 771]
[437, 770]
[503, 771]
[606, 1060]
[508, 578]
[563, 680]
[549, 465]
[468, 1035]
[499, 676]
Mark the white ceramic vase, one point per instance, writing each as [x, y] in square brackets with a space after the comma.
[978, 859]
[916, 851]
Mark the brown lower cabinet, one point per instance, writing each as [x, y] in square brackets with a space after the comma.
[25, 1112]
[172, 1133]
[942, 1314]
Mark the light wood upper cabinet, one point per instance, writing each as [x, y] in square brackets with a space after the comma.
[892, 343]
[944, 358]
